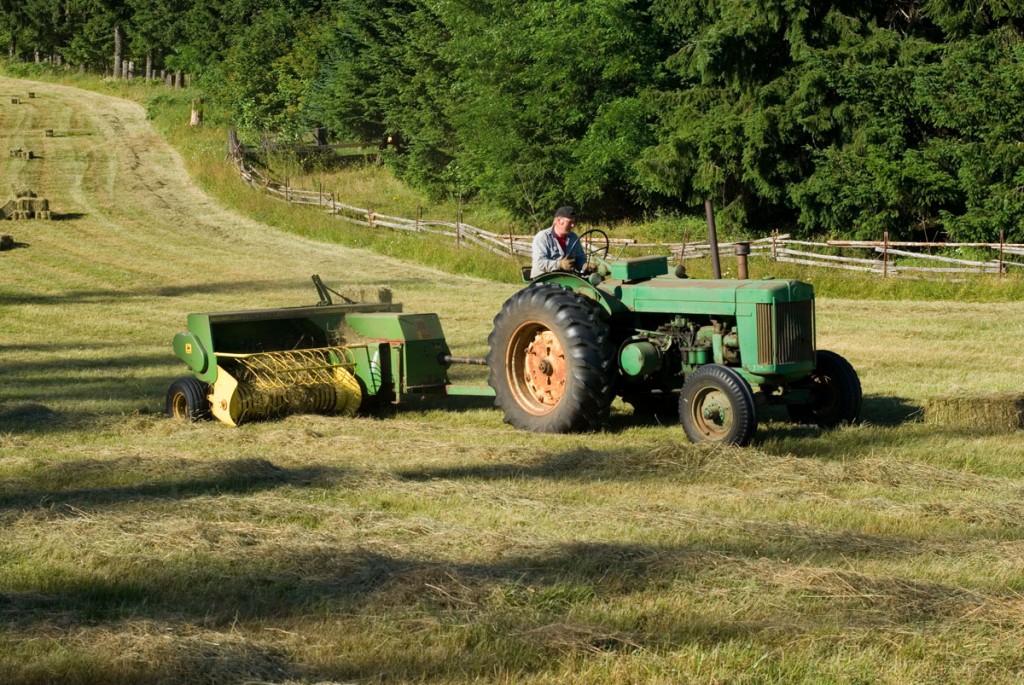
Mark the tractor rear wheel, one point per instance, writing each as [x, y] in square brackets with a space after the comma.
[716, 404]
[186, 399]
[835, 393]
[551, 361]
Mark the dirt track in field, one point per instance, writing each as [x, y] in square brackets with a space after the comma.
[131, 206]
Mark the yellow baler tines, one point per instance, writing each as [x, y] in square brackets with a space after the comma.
[268, 384]
[259, 364]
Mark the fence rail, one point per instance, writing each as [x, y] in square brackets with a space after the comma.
[889, 258]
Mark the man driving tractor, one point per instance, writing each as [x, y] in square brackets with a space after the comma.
[558, 248]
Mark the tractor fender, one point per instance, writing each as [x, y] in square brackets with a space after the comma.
[583, 287]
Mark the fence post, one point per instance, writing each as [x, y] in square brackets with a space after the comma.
[1002, 237]
[458, 226]
[885, 254]
[419, 217]
[775, 245]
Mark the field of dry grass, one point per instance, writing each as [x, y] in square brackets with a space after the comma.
[440, 545]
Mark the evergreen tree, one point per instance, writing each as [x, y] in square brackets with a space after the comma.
[546, 92]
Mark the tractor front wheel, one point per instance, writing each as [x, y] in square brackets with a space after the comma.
[716, 404]
[835, 393]
[186, 399]
[550, 361]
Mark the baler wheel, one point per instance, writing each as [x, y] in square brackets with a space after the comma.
[551, 361]
[716, 404]
[835, 393]
[186, 399]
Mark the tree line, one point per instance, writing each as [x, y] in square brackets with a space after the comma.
[844, 118]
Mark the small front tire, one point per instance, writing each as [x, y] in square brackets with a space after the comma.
[186, 399]
[716, 404]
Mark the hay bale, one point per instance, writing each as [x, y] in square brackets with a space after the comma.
[995, 412]
[6, 242]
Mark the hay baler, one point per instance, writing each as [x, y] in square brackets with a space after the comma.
[326, 358]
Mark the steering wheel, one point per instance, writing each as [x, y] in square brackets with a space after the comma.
[595, 243]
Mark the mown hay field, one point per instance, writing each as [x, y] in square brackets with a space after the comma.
[440, 545]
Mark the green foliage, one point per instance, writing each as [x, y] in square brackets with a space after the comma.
[386, 81]
[842, 117]
[547, 89]
[265, 70]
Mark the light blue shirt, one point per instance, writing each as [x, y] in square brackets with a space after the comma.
[547, 253]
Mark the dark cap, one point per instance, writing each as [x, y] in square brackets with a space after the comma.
[567, 212]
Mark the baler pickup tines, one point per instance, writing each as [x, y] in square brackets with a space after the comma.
[292, 367]
[265, 384]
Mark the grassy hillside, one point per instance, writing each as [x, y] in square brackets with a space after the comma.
[439, 544]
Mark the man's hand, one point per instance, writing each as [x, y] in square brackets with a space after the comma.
[567, 263]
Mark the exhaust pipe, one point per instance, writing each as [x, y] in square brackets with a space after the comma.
[709, 210]
[742, 251]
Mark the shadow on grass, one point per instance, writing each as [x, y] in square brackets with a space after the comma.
[452, 403]
[55, 392]
[66, 486]
[517, 608]
[882, 410]
[71, 365]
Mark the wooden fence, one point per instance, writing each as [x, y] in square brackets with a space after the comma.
[887, 258]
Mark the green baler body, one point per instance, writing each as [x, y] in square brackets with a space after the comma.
[416, 346]
[394, 353]
[262, 330]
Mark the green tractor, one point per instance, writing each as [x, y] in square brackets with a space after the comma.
[565, 346]
[561, 350]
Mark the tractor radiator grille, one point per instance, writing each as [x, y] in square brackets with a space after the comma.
[785, 332]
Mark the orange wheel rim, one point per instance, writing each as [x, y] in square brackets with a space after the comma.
[712, 413]
[536, 368]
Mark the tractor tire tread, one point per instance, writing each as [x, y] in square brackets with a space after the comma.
[583, 328]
